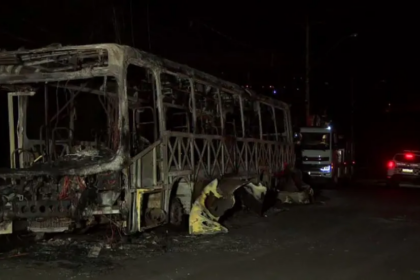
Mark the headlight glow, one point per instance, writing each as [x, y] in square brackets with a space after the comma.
[326, 169]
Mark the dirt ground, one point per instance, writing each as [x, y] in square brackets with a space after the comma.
[359, 233]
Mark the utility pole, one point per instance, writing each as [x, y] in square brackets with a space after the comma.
[352, 117]
[308, 70]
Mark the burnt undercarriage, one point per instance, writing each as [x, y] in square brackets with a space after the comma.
[49, 204]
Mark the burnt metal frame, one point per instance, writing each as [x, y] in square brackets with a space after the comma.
[177, 150]
[116, 68]
[247, 157]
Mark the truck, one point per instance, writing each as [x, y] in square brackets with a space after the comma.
[327, 157]
[107, 133]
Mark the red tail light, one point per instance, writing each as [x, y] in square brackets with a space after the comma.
[409, 156]
[391, 164]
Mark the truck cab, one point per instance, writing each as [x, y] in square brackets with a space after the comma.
[324, 156]
[316, 145]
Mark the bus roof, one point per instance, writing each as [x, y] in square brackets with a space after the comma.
[148, 60]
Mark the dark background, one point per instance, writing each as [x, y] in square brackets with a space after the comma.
[259, 44]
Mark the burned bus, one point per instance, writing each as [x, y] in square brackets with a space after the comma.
[111, 134]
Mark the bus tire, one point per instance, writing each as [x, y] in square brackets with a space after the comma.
[176, 213]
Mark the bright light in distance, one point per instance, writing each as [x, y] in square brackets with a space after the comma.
[326, 169]
[275, 91]
[391, 164]
[409, 156]
[329, 127]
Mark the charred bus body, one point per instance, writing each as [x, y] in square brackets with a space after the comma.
[107, 133]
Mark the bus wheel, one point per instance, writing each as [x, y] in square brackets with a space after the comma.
[176, 212]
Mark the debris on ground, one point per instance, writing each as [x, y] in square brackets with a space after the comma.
[94, 251]
[103, 250]
[12, 254]
[39, 236]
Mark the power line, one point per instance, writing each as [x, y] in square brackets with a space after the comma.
[24, 39]
[17, 37]
[230, 38]
[37, 26]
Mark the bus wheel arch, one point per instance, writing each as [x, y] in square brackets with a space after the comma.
[180, 201]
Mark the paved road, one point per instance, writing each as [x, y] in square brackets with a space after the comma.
[364, 233]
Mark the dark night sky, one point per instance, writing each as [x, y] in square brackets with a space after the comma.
[246, 40]
[248, 34]
[235, 39]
